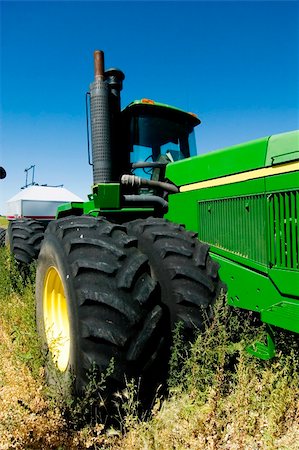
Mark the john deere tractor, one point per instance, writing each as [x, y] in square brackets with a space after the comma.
[2, 230]
[115, 274]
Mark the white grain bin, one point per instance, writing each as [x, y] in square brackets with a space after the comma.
[39, 202]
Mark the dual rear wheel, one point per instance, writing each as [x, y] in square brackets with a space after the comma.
[24, 238]
[110, 294]
[97, 304]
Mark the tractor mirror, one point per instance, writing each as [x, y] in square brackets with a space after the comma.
[2, 173]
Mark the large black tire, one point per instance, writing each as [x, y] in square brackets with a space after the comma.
[112, 303]
[2, 237]
[186, 273]
[24, 238]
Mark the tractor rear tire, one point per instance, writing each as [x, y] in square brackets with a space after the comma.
[94, 293]
[187, 275]
[2, 237]
[24, 238]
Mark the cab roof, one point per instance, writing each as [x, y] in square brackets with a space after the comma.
[150, 106]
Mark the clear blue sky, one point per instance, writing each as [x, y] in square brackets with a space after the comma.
[235, 64]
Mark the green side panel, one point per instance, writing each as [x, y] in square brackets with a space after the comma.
[236, 159]
[89, 208]
[106, 196]
[238, 258]
[286, 281]
[254, 291]
[283, 148]
[283, 182]
[182, 208]
[284, 314]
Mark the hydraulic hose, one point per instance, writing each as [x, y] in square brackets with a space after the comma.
[134, 181]
[146, 201]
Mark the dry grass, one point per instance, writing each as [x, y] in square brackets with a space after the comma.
[243, 403]
[26, 418]
[220, 397]
[243, 420]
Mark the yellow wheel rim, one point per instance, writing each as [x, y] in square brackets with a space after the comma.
[56, 319]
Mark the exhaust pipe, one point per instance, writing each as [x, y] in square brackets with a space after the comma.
[100, 123]
[107, 160]
[98, 65]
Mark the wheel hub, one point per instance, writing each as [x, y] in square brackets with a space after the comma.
[56, 319]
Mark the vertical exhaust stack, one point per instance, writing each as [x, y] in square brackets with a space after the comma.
[108, 160]
[100, 123]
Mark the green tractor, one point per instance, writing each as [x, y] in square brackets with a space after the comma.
[160, 234]
[2, 230]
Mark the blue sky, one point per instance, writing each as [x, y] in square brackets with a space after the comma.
[235, 64]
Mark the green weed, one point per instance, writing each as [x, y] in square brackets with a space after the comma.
[17, 312]
[3, 222]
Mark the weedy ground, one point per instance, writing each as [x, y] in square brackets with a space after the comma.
[219, 396]
[3, 222]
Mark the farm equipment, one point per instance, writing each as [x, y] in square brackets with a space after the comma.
[116, 274]
[29, 212]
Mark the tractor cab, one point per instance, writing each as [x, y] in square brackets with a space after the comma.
[157, 134]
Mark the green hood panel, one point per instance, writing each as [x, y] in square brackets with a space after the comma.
[228, 161]
[264, 152]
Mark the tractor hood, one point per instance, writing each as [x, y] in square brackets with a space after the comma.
[246, 157]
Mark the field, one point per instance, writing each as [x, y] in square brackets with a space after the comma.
[219, 396]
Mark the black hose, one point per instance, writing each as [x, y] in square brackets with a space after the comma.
[147, 201]
[134, 181]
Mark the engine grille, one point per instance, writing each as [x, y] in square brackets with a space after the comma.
[283, 227]
[237, 225]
